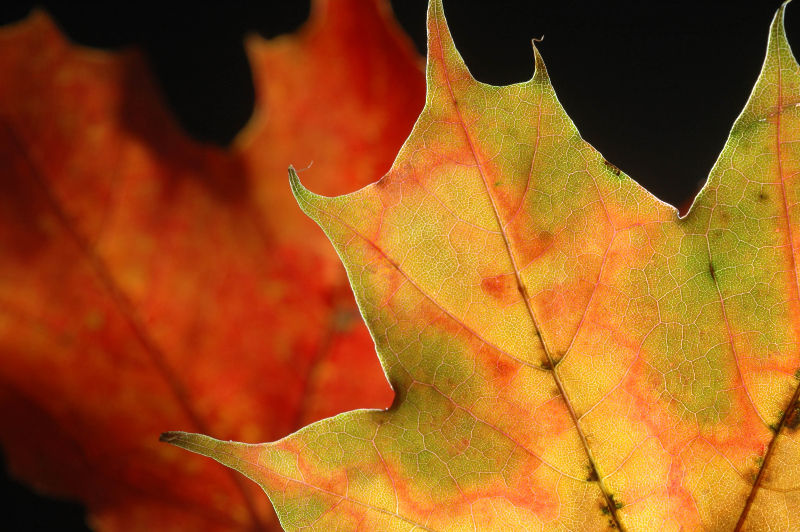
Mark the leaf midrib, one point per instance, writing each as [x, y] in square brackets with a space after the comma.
[610, 503]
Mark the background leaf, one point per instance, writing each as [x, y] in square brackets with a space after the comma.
[150, 281]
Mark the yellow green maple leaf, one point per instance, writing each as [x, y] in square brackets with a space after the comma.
[567, 352]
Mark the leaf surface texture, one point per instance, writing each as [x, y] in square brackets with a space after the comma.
[567, 353]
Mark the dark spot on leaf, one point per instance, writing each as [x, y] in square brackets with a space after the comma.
[592, 475]
[712, 271]
[546, 365]
[793, 419]
[762, 196]
[617, 504]
[614, 170]
[522, 290]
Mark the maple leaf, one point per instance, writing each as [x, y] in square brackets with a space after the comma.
[566, 351]
[147, 279]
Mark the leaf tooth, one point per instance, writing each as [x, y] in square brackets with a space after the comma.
[228, 453]
[197, 443]
[760, 106]
[306, 199]
[777, 32]
[540, 74]
[442, 51]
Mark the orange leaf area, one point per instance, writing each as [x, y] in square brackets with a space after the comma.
[148, 281]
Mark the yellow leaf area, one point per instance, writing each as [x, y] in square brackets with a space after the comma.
[567, 353]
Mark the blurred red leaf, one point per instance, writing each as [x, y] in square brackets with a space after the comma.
[148, 281]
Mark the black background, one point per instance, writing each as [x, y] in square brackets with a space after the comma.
[655, 86]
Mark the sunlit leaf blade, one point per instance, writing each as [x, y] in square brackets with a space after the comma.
[148, 281]
[567, 353]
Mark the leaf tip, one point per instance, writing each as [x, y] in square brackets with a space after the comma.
[435, 17]
[435, 9]
[169, 437]
[196, 443]
[435, 20]
[442, 51]
[778, 27]
[186, 440]
[778, 44]
[306, 199]
[300, 192]
[540, 70]
[294, 179]
[224, 452]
